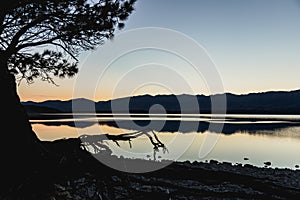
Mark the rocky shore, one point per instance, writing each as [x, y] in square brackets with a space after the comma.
[78, 175]
[187, 181]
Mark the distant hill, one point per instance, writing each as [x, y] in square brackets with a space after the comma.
[253, 103]
[60, 106]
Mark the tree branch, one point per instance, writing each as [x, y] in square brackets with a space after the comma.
[33, 44]
[15, 40]
[66, 50]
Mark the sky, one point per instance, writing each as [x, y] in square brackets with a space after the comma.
[254, 46]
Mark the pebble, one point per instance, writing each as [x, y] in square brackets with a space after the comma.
[213, 162]
[248, 166]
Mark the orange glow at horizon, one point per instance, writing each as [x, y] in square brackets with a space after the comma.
[42, 91]
[45, 91]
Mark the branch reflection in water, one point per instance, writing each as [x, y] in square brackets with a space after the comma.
[96, 143]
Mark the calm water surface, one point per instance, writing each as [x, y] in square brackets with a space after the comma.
[260, 138]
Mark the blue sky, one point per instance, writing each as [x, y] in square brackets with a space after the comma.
[255, 44]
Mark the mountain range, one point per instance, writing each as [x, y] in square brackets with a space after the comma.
[279, 102]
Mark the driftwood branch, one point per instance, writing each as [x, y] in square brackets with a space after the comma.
[95, 143]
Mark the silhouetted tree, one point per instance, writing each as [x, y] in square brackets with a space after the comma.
[42, 39]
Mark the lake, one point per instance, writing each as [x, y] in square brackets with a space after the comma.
[246, 139]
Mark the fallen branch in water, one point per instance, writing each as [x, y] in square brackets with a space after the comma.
[97, 142]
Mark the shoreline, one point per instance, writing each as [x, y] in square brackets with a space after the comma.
[78, 175]
[185, 180]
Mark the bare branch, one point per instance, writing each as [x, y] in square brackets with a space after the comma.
[65, 49]
[33, 44]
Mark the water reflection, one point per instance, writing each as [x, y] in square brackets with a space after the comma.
[177, 123]
[95, 143]
[260, 140]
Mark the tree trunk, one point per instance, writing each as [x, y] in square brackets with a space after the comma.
[19, 144]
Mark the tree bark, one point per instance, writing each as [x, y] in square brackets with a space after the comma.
[19, 144]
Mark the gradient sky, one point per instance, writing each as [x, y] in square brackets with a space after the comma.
[255, 45]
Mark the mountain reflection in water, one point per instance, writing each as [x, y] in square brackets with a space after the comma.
[259, 138]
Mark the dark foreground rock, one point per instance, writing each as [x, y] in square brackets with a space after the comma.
[186, 181]
[74, 174]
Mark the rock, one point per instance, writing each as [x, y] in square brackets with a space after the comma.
[61, 191]
[91, 191]
[268, 163]
[296, 166]
[227, 163]
[81, 180]
[246, 158]
[116, 179]
[213, 162]
[239, 164]
[248, 166]
[59, 187]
